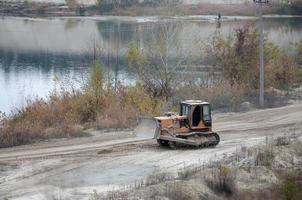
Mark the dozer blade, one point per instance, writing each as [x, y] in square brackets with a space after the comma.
[145, 128]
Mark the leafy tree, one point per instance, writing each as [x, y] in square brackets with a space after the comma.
[238, 58]
[95, 87]
[281, 71]
[298, 56]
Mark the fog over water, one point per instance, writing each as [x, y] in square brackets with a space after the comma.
[38, 55]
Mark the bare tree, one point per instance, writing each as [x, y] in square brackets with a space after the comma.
[72, 4]
[158, 65]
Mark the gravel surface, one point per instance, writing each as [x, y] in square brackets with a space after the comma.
[73, 168]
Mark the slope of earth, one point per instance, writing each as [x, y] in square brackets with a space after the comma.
[73, 168]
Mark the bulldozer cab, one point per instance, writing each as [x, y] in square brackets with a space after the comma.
[192, 126]
[198, 114]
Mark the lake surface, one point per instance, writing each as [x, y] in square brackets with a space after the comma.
[39, 55]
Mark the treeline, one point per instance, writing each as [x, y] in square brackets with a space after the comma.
[160, 86]
[108, 5]
[137, 2]
[291, 7]
[235, 58]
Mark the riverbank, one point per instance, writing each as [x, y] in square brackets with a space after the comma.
[42, 9]
[34, 9]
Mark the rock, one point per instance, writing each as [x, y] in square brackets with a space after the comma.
[246, 106]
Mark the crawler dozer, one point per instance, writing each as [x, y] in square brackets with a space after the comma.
[192, 126]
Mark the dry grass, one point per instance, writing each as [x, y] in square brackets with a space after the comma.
[221, 95]
[219, 179]
[289, 188]
[112, 195]
[42, 119]
[158, 178]
[265, 157]
[64, 114]
[177, 191]
[222, 180]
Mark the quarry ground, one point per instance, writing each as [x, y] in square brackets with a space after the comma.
[72, 168]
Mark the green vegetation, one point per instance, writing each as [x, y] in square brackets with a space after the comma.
[290, 188]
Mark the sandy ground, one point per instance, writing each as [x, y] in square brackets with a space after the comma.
[73, 168]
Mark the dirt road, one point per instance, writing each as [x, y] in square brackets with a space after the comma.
[73, 168]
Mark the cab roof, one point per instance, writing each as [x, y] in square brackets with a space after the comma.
[194, 102]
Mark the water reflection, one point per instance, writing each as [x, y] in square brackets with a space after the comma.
[33, 52]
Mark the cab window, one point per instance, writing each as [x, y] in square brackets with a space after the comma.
[184, 110]
[206, 113]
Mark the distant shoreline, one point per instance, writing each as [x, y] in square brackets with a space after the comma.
[38, 9]
[146, 19]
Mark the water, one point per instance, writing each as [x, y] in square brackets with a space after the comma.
[39, 55]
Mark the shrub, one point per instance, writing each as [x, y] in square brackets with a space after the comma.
[111, 195]
[298, 56]
[177, 191]
[280, 71]
[40, 118]
[265, 158]
[294, 7]
[72, 4]
[62, 113]
[123, 106]
[158, 178]
[220, 95]
[290, 189]
[222, 180]
[282, 140]
[238, 58]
